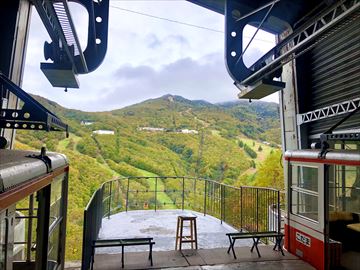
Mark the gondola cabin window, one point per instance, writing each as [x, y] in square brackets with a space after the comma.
[55, 221]
[344, 188]
[2, 243]
[304, 192]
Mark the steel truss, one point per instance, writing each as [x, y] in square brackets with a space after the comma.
[329, 111]
[293, 46]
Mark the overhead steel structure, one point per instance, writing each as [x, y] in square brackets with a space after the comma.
[315, 66]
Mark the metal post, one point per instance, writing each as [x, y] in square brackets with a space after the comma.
[257, 209]
[29, 238]
[155, 193]
[183, 193]
[278, 212]
[127, 194]
[205, 197]
[241, 208]
[221, 203]
[224, 210]
[109, 210]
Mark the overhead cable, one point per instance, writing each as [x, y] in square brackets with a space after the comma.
[176, 21]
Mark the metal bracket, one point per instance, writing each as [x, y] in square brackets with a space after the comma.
[65, 50]
[44, 158]
[32, 115]
[329, 136]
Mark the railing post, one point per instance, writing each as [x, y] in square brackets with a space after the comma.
[257, 209]
[127, 194]
[183, 193]
[278, 211]
[30, 225]
[241, 208]
[109, 210]
[205, 197]
[224, 211]
[155, 193]
[221, 202]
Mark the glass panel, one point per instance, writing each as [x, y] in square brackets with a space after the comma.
[304, 191]
[20, 236]
[305, 205]
[53, 251]
[2, 241]
[55, 199]
[25, 223]
[307, 178]
[345, 188]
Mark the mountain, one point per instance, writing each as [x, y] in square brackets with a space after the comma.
[165, 136]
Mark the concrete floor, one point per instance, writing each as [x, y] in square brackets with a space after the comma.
[209, 259]
[161, 225]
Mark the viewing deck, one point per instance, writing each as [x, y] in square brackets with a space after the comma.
[161, 225]
[212, 241]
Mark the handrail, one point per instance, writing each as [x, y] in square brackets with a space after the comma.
[186, 177]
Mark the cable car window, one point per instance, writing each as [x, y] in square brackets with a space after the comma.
[307, 178]
[2, 241]
[55, 199]
[53, 251]
[305, 198]
[55, 221]
[344, 184]
[25, 229]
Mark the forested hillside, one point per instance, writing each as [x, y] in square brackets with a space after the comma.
[235, 143]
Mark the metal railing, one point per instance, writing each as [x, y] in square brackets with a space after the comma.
[246, 208]
[92, 224]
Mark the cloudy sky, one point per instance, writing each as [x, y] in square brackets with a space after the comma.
[146, 57]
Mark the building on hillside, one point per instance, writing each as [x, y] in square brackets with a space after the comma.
[151, 129]
[104, 132]
[86, 123]
[189, 131]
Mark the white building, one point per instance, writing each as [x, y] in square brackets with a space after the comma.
[103, 132]
[152, 129]
[189, 131]
[86, 123]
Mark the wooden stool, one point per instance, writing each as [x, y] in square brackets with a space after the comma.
[180, 238]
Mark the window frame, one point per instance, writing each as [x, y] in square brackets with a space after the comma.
[315, 224]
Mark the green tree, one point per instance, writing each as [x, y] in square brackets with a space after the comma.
[270, 173]
[241, 143]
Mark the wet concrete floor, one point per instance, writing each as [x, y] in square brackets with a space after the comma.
[161, 225]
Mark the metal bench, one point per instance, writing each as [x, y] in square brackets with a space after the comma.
[122, 243]
[256, 238]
